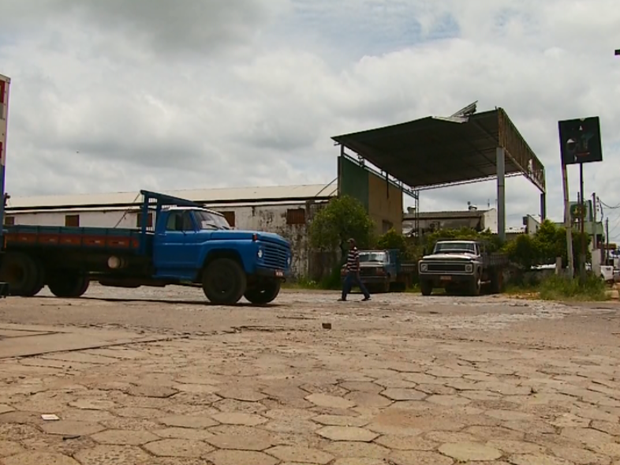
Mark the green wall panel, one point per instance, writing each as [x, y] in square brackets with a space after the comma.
[353, 180]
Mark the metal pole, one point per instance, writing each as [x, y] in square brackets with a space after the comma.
[594, 238]
[501, 193]
[607, 240]
[567, 224]
[582, 258]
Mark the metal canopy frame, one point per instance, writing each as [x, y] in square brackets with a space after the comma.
[435, 152]
[466, 147]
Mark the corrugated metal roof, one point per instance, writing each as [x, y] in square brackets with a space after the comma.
[446, 214]
[209, 196]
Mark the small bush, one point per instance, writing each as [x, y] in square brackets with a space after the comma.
[563, 288]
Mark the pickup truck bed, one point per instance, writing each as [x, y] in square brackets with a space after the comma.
[95, 239]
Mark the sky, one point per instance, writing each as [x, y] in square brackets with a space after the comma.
[113, 96]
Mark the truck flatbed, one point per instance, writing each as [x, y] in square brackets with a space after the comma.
[103, 239]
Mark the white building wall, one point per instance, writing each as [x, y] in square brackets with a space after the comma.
[490, 220]
[267, 218]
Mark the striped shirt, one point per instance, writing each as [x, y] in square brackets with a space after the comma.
[353, 259]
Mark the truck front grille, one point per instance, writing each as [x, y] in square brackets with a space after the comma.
[275, 256]
[446, 267]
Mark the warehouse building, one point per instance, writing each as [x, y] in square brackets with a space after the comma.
[284, 210]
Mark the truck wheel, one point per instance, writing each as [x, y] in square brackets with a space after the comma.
[474, 286]
[39, 283]
[224, 281]
[22, 273]
[68, 284]
[263, 293]
[426, 287]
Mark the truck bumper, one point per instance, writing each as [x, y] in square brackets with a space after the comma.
[444, 280]
[273, 274]
[374, 279]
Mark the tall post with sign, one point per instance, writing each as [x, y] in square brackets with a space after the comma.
[580, 143]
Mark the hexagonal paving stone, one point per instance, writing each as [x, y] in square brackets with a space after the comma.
[190, 434]
[238, 393]
[509, 415]
[357, 449]
[124, 437]
[580, 456]
[406, 443]
[344, 433]
[470, 451]
[240, 457]
[144, 390]
[39, 458]
[340, 420]
[178, 448]
[325, 400]
[362, 386]
[448, 401]
[6, 409]
[537, 459]
[300, 454]
[236, 418]
[10, 448]
[408, 457]
[368, 400]
[189, 421]
[106, 455]
[403, 394]
[360, 461]
[92, 404]
[241, 438]
[71, 428]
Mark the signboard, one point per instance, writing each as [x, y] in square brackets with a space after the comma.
[575, 210]
[580, 141]
[5, 82]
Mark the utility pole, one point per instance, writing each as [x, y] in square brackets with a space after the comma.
[607, 239]
[568, 224]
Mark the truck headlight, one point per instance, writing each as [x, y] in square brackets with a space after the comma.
[260, 253]
[469, 268]
[423, 267]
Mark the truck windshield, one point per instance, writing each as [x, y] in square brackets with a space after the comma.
[372, 257]
[462, 247]
[208, 220]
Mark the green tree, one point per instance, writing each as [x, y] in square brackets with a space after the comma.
[394, 240]
[525, 251]
[342, 218]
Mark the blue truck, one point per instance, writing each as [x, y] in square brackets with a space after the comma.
[189, 245]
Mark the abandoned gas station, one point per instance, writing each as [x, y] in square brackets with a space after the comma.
[378, 166]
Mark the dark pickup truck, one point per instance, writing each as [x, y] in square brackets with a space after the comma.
[384, 270]
[461, 265]
[189, 245]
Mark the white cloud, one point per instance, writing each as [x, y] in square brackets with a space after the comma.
[217, 93]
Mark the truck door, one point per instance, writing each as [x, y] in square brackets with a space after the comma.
[173, 254]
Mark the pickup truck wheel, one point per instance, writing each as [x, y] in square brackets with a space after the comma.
[224, 282]
[68, 284]
[263, 293]
[22, 273]
[426, 287]
[475, 286]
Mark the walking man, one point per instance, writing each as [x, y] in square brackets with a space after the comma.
[353, 274]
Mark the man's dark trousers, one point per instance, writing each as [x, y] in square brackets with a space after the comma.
[350, 280]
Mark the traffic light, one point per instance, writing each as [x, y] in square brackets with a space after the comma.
[580, 141]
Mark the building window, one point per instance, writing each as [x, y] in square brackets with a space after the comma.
[72, 221]
[149, 220]
[9, 220]
[296, 216]
[230, 218]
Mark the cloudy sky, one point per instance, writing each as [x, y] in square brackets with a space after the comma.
[113, 95]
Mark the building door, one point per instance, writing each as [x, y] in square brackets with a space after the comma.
[173, 252]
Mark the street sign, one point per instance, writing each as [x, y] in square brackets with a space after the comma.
[580, 140]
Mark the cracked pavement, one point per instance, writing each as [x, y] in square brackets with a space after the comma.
[401, 380]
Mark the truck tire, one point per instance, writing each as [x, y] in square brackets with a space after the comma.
[426, 287]
[23, 274]
[68, 284]
[474, 286]
[263, 293]
[224, 281]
